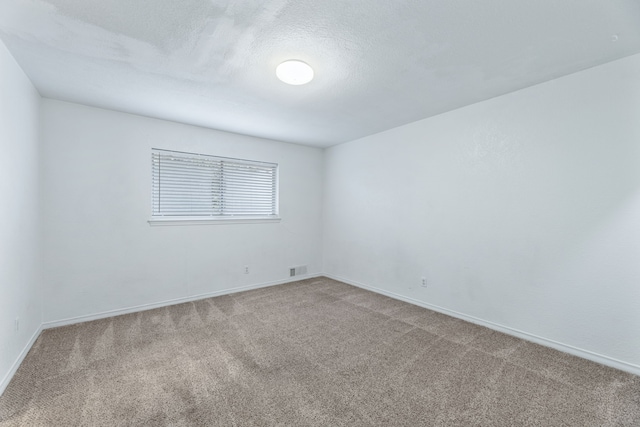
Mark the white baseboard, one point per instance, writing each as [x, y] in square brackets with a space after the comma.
[79, 319]
[585, 354]
[7, 378]
[144, 307]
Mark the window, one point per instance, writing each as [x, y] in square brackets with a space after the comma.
[198, 187]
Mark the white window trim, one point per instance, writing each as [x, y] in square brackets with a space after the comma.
[180, 220]
[171, 220]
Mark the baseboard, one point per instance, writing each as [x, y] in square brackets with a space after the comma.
[79, 319]
[585, 354]
[7, 378]
[151, 306]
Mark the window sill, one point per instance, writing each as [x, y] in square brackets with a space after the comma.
[209, 221]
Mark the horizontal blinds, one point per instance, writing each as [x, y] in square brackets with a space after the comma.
[188, 184]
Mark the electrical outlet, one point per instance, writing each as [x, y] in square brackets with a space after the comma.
[246, 269]
[17, 324]
[424, 282]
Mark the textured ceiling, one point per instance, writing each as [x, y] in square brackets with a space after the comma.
[378, 63]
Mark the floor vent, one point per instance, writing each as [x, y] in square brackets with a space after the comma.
[297, 271]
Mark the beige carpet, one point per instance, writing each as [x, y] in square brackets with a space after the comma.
[311, 353]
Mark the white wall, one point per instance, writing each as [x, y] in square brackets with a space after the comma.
[100, 253]
[19, 213]
[523, 210]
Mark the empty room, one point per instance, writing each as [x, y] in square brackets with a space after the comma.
[319, 213]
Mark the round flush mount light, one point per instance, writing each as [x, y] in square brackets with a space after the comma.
[294, 72]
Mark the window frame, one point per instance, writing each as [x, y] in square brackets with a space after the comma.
[214, 219]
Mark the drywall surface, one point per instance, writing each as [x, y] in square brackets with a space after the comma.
[523, 210]
[100, 253]
[19, 213]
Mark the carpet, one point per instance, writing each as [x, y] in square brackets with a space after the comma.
[311, 353]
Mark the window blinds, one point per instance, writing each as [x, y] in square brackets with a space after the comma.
[198, 185]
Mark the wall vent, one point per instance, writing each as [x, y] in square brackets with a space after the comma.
[298, 271]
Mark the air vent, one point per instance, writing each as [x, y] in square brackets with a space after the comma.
[298, 271]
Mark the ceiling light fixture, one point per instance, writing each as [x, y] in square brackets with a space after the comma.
[294, 72]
